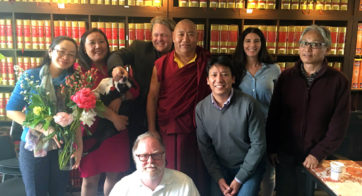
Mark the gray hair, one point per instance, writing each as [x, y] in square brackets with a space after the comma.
[169, 23]
[142, 137]
[323, 31]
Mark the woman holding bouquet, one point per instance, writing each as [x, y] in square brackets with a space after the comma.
[40, 169]
[258, 74]
[112, 156]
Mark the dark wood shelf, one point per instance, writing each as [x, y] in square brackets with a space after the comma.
[237, 13]
[81, 9]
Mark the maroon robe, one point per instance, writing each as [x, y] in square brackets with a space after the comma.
[180, 90]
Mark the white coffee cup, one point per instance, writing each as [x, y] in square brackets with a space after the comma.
[336, 169]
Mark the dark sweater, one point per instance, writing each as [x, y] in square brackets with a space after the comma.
[304, 121]
[141, 56]
[233, 137]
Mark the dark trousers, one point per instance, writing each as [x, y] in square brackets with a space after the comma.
[290, 177]
[41, 175]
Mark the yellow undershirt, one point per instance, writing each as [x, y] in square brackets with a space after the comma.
[180, 64]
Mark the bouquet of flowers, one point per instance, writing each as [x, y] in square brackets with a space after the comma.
[82, 105]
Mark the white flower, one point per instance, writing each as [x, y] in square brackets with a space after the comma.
[88, 117]
[63, 119]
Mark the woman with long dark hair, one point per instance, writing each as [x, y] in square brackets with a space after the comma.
[257, 75]
[112, 155]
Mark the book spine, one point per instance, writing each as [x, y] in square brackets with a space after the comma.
[9, 34]
[19, 34]
[341, 39]
[2, 34]
[356, 73]
[62, 28]
[285, 4]
[75, 31]
[140, 32]
[271, 39]
[131, 33]
[334, 34]
[200, 34]
[233, 38]
[114, 42]
[148, 32]
[82, 28]
[27, 35]
[282, 39]
[10, 69]
[68, 28]
[224, 37]
[122, 36]
[41, 35]
[48, 33]
[214, 38]
[109, 32]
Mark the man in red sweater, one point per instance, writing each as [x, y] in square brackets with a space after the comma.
[308, 114]
[178, 83]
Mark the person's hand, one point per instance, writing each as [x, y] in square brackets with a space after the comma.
[115, 105]
[77, 155]
[118, 73]
[235, 187]
[224, 187]
[120, 122]
[48, 132]
[273, 158]
[310, 162]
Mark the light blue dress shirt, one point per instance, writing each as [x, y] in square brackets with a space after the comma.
[261, 85]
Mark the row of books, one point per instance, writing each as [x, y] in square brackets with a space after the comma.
[153, 3]
[24, 62]
[213, 3]
[33, 34]
[288, 39]
[313, 4]
[7, 73]
[269, 4]
[4, 98]
[36, 34]
[357, 74]
[6, 33]
[223, 38]
[286, 65]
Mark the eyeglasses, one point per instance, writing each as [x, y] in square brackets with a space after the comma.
[313, 45]
[155, 156]
[62, 53]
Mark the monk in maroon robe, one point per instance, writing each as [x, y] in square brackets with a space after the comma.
[177, 85]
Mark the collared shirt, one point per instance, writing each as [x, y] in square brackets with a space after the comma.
[226, 103]
[310, 78]
[173, 183]
[179, 62]
[261, 85]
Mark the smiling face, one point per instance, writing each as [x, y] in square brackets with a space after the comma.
[252, 45]
[63, 55]
[220, 80]
[150, 168]
[309, 55]
[185, 38]
[161, 38]
[96, 47]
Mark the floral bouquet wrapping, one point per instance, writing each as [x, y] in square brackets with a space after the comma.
[81, 106]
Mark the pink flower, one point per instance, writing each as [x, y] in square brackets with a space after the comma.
[84, 98]
[63, 119]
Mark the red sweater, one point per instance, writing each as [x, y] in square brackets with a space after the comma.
[304, 121]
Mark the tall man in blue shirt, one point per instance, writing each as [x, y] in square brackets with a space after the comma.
[230, 133]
